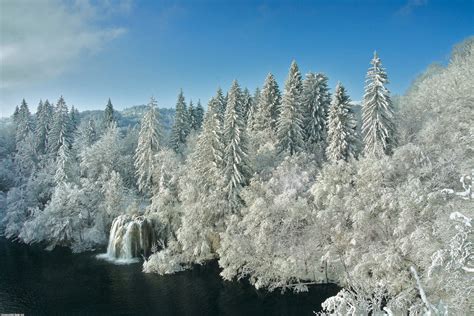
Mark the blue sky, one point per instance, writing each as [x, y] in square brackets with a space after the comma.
[129, 50]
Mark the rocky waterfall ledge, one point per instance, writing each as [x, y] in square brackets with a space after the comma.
[131, 236]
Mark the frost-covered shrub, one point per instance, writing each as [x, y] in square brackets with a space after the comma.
[166, 261]
[274, 242]
[66, 221]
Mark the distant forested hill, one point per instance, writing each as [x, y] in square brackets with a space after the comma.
[131, 116]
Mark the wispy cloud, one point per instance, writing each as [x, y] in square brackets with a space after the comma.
[410, 6]
[42, 39]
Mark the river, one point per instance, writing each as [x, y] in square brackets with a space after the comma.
[38, 282]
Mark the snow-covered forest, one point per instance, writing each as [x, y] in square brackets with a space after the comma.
[287, 185]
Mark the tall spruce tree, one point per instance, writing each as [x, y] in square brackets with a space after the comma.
[316, 103]
[89, 134]
[208, 157]
[60, 129]
[74, 117]
[342, 133]
[191, 115]
[269, 104]
[181, 128]
[236, 164]
[246, 103]
[109, 116]
[198, 115]
[16, 114]
[61, 175]
[252, 112]
[23, 122]
[42, 127]
[221, 101]
[149, 141]
[290, 122]
[378, 125]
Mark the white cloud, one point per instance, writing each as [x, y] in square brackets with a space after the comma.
[42, 39]
[411, 5]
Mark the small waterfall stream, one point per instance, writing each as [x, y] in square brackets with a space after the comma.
[130, 237]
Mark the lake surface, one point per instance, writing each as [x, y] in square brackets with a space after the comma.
[38, 282]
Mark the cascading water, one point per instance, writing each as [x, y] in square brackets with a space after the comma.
[130, 237]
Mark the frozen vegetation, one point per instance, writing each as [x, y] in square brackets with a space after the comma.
[286, 188]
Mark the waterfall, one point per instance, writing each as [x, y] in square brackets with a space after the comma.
[130, 237]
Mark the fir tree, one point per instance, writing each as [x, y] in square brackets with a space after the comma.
[181, 128]
[25, 157]
[316, 102]
[378, 125]
[89, 135]
[246, 103]
[62, 162]
[208, 157]
[149, 141]
[198, 115]
[252, 112]
[49, 111]
[60, 127]
[44, 121]
[342, 139]
[191, 115]
[24, 124]
[74, 117]
[221, 101]
[268, 108]
[290, 121]
[16, 114]
[42, 128]
[109, 116]
[236, 164]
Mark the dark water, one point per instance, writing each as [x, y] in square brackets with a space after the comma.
[37, 282]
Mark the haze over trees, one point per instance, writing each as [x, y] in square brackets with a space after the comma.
[284, 188]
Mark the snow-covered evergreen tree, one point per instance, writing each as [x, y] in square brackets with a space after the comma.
[16, 114]
[252, 112]
[268, 108]
[316, 103]
[202, 192]
[26, 156]
[181, 127]
[103, 155]
[191, 115]
[24, 123]
[236, 164]
[246, 103]
[86, 135]
[60, 128]
[149, 141]
[62, 162]
[290, 122]
[109, 116]
[198, 116]
[378, 125]
[342, 139]
[90, 133]
[221, 101]
[165, 203]
[43, 124]
[208, 156]
[74, 116]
